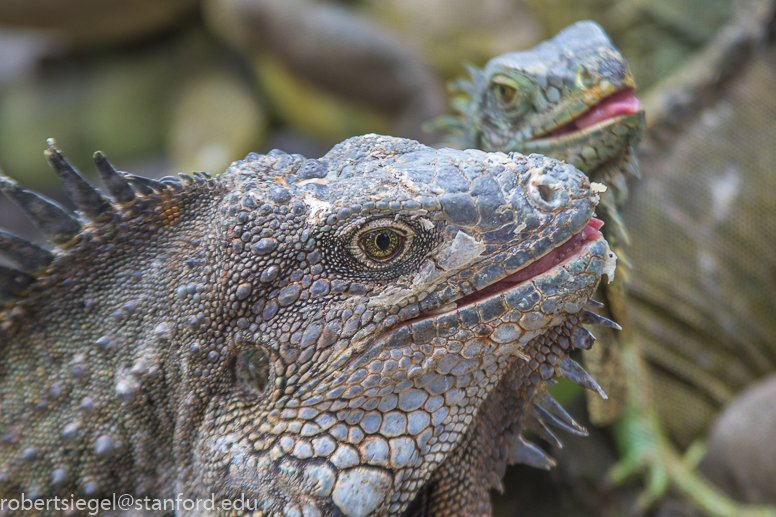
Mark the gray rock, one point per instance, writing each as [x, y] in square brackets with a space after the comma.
[742, 445]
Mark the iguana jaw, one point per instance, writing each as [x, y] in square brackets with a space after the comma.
[556, 258]
[613, 124]
[578, 246]
[617, 106]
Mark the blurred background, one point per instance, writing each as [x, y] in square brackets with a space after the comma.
[185, 85]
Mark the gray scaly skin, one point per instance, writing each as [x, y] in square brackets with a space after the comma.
[584, 50]
[298, 332]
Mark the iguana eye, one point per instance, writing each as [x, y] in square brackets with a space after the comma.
[381, 244]
[513, 94]
[504, 93]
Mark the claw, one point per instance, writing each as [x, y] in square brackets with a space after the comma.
[593, 304]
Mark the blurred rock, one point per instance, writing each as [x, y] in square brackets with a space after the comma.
[117, 103]
[217, 118]
[182, 95]
[21, 50]
[301, 104]
[336, 50]
[452, 33]
[742, 445]
[90, 23]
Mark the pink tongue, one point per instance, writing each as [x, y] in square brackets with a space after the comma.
[620, 103]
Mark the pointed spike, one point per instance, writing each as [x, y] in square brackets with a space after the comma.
[570, 369]
[548, 418]
[185, 178]
[535, 424]
[86, 198]
[473, 71]
[461, 107]
[30, 257]
[549, 403]
[54, 221]
[582, 338]
[593, 304]
[462, 85]
[592, 318]
[632, 163]
[522, 451]
[172, 183]
[117, 185]
[198, 178]
[145, 186]
[13, 283]
[494, 481]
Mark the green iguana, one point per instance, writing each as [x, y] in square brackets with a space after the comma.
[572, 98]
[364, 334]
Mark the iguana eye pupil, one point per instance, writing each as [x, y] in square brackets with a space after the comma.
[381, 244]
[383, 241]
[505, 93]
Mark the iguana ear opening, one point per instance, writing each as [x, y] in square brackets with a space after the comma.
[254, 371]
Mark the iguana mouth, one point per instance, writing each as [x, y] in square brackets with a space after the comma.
[568, 249]
[622, 103]
[572, 247]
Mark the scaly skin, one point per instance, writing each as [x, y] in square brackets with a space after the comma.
[298, 332]
[584, 50]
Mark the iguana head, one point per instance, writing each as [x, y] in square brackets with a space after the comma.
[383, 291]
[570, 98]
[314, 335]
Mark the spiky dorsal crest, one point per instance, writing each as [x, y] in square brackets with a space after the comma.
[460, 127]
[95, 211]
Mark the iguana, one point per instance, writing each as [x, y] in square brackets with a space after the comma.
[362, 334]
[513, 104]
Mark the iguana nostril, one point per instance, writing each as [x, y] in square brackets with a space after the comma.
[546, 193]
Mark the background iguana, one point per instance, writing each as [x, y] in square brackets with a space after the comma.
[344, 336]
[574, 92]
